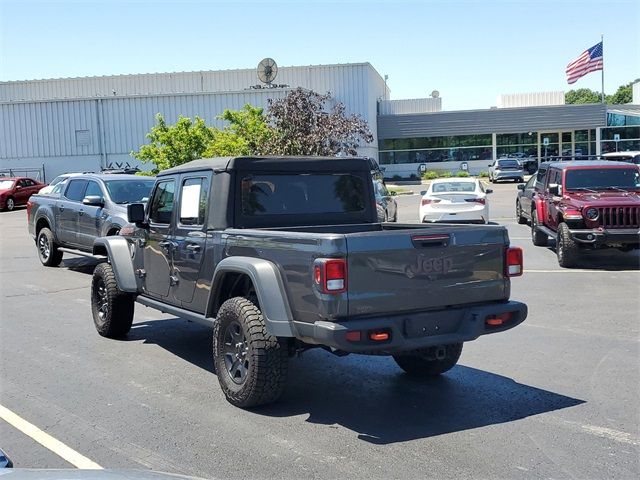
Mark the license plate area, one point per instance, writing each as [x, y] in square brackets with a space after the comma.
[431, 324]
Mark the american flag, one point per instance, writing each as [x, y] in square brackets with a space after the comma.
[589, 61]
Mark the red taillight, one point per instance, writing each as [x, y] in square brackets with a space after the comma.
[481, 201]
[513, 262]
[331, 275]
[427, 201]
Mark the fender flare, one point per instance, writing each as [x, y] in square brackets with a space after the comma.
[269, 287]
[119, 255]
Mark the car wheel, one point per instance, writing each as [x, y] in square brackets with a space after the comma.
[251, 364]
[112, 308]
[9, 204]
[519, 218]
[429, 362]
[539, 239]
[48, 252]
[566, 247]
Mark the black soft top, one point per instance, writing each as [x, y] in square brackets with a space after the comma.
[273, 164]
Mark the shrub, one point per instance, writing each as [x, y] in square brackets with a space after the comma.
[462, 173]
[413, 176]
[483, 174]
[396, 177]
[430, 175]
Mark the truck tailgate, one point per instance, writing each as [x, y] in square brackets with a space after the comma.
[420, 268]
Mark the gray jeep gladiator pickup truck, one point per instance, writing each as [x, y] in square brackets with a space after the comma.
[283, 254]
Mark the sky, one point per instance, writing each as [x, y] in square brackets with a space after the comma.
[470, 51]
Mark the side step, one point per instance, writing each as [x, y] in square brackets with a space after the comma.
[80, 253]
[173, 310]
[548, 231]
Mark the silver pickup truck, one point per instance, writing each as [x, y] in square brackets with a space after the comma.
[279, 255]
[81, 209]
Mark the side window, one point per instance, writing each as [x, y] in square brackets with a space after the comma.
[552, 177]
[75, 190]
[530, 183]
[162, 203]
[93, 189]
[193, 201]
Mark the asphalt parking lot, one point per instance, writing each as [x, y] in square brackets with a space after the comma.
[556, 397]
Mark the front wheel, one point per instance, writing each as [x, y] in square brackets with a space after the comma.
[429, 362]
[112, 308]
[566, 247]
[251, 364]
[48, 252]
[10, 204]
[519, 217]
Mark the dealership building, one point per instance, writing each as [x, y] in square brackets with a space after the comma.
[84, 124]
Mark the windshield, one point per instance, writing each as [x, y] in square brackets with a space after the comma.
[602, 178]
[129, 191]
[302, 194]
[453, 187]
[57, 180]
[6, 184]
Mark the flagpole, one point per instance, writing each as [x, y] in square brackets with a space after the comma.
[602, 71]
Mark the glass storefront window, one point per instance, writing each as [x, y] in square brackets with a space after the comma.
[528, 138]
[626, 133]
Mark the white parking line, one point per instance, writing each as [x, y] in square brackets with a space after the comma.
[47, 441]
[582, 271]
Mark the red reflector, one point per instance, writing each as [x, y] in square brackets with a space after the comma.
[353, 336]
[494, 322]
[497, 320]
[513, 262]
[379, 336]
[317, 274]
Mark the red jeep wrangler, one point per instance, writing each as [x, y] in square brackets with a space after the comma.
[588, 204]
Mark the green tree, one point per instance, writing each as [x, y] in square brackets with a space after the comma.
[303, 125]
[247, 133]
[624, 94]
[172, 145]
[581, 95]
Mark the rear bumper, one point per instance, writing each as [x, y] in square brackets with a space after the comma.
[622, 236]
[413, 331]
[509, 175]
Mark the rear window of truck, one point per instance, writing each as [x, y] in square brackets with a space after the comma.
[302, 194]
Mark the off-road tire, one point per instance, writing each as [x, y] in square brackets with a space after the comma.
[263, 357]
[9, 204]
[539, 239]
[48, 252]
[420, 363]
[519, 218]
[112, 308]
[567, 249]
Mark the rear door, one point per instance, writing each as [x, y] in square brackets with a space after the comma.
[190, 236]
[403, 270]
[158, 246]
[68, 211]
[89, 219]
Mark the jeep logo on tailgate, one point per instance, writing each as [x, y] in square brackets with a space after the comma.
[427, 265]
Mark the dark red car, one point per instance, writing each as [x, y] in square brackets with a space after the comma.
[588, 204]
[16, 191]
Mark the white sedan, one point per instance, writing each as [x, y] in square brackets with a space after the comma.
[455, 200]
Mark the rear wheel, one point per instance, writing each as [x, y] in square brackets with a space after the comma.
[251, 364]
[48, 252]
[429, 362]
[112, 308]
[539, 239]
[519, 218]
[566, 248]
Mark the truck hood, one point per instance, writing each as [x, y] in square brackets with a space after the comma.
[603, 198]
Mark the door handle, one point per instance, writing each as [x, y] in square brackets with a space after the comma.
[81, 212]
[61, 208]
[193, 247]
[166, 245]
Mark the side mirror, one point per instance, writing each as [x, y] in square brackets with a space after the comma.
[135, 213]
[488, 190]
[93, 201]
[555, 189]
[18, 187]
[423, 192]
[521, 186]
[490, 165]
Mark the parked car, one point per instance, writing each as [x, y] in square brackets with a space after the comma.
[524, 200]
[56, 181]
[630, 157]
[87, 206]
[386, 205]
[15, 191]
[280, 255]
[506, 169]
[587, 205]
[455, 200]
